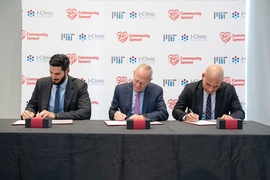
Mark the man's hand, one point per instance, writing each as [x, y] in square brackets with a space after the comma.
[225, 116]
[46, 114]
[118, 116]
[192, 117]
[27, 114]
[136, 116]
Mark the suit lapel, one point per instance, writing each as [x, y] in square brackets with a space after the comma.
[128, 92]
[219, 97]
[146, 99]
[69, 93]
[199, 95]
[47, 87]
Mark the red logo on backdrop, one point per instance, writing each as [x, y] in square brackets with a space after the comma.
[227, 79]
[225, 36]
[72, 58]
[122, 80]
[23, 34]
[122, 36]
[23, 79]
[172, 103]
[173, 59]
[71, 13]
[173, 14]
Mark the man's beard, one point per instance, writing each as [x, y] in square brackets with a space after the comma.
[61, 81]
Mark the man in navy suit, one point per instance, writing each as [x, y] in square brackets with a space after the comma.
[152, 105]
[74, 100]
[224, 100]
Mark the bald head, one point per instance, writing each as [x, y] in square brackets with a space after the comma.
[212, 78]
[214, 71]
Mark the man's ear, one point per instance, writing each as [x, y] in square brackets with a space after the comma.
[67, 71]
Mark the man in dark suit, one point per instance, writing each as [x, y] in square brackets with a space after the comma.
[73, 101]
[151, 104]
[224, 100]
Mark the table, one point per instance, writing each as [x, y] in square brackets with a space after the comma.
[175, 150]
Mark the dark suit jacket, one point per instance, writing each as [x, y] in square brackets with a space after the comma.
[77, 103]
[154, 106]
[227, 101]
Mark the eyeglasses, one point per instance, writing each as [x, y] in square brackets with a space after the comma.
[140, 83]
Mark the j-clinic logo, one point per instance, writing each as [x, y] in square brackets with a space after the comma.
[133, 15]
[235, 60]
[184, 37]
[30, 58]
[173, 59]
[132, 59]
[225, 36]
[122, 80]
[171, 103]
[82, 37]
[30, 13]
[71, 13]
[122, 36]
[173, 14]
[72, 58]
[184, 82]
[235, 15]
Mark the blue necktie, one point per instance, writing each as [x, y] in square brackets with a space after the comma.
[208, 108]
[57, 100]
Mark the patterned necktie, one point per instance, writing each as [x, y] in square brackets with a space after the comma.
[208, 108]
[57, 100]
[137, 104]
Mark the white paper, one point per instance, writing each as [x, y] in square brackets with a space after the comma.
[55, 122]
[203, 122]
[124, 123]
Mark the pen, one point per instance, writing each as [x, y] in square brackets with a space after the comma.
[120, 111]
[191, 111]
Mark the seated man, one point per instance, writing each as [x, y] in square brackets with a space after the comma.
[139, 99]
[59, 96]
[209, 98]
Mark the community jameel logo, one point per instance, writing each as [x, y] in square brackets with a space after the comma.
[122, 36]
[23, 79]
[225, 36]
[234, 81]
[171, 103]
[72, 58]
[122, 80]
[34, 36]
[23, 34]
[173, 14]
[72, 13]
[173, 59]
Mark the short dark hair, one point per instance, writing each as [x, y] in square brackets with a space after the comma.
[60, 60]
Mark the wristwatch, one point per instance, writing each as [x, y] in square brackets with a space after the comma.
[56, 116]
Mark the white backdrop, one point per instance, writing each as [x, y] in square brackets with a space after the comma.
[107, 40]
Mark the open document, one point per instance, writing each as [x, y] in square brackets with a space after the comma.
[124, 123]
[203, 122]
[54, 122]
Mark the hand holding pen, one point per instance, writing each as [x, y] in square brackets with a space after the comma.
[119, 116]
[192, 117]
